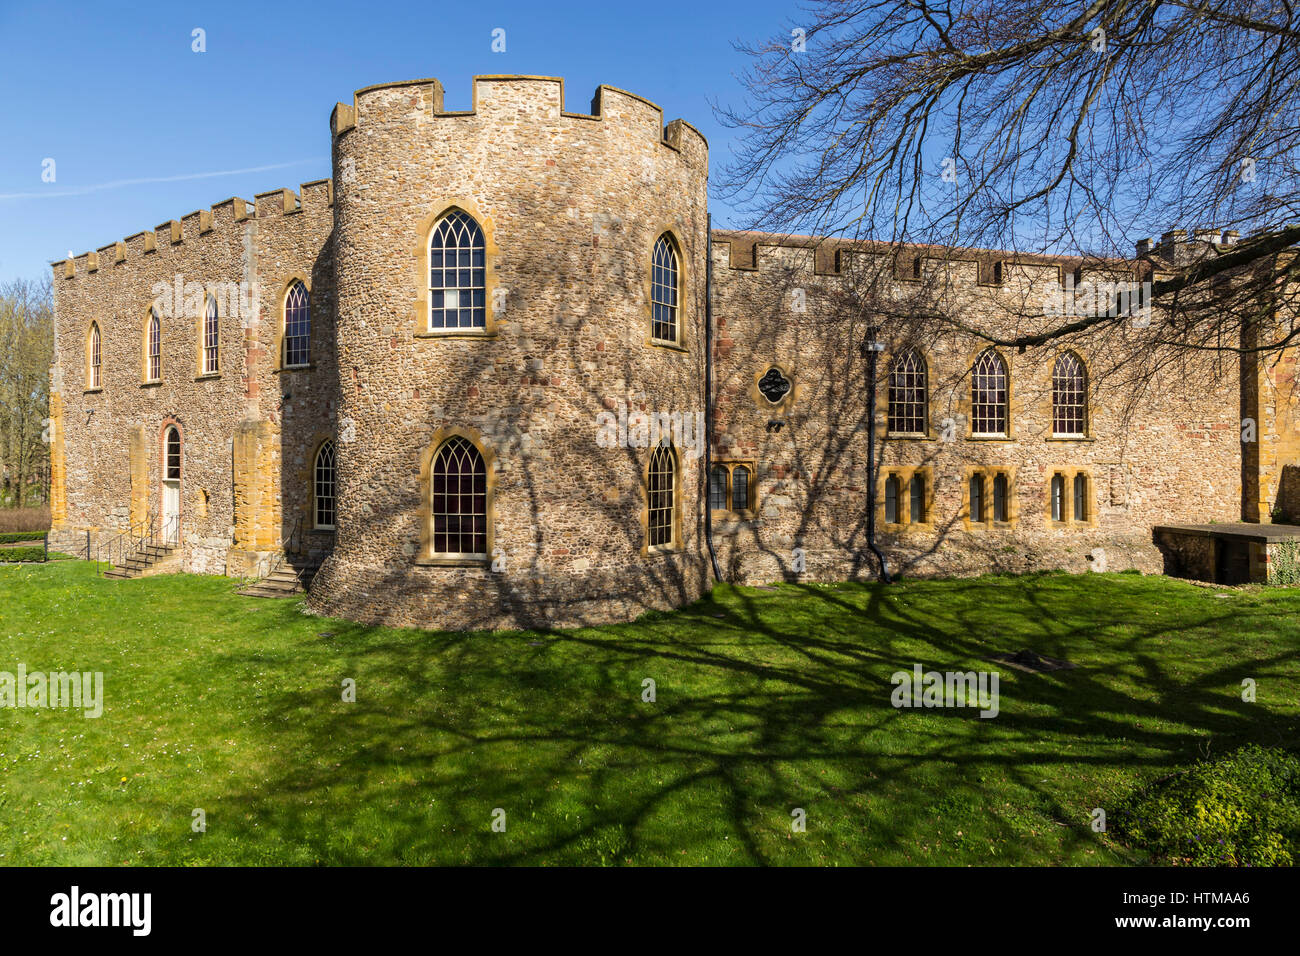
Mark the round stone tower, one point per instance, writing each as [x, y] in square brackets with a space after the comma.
[520, 295]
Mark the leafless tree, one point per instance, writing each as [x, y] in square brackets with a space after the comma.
[1040, 127]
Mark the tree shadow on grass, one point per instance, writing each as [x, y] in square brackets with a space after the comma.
[764, 703]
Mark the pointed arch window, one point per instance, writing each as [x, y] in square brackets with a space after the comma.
[661, 487]
[908, 395]
[211, 337]
[323, 488]
[989, 395]
[297, 325]
[153, 349]
[458, 504]
[457, 273]
[1069, 397]
[94, 357]
[664, 292]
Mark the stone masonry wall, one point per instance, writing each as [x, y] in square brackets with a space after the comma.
[571, 205]
[110, 438]
[1173, 455]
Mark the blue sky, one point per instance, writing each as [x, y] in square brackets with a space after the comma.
[113, 93]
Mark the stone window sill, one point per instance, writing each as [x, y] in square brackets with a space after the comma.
[457, 334]
[153, 383]
[452, 562]
[203, 376]
[92, 391]
[670, 346]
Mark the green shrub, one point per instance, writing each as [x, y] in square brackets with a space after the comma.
[1238, 810]
[10, 537]
[21, 554]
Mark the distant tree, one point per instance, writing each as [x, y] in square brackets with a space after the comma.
[26, 351]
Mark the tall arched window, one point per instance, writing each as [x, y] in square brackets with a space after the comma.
[663, 291]
[93, 357]
[211, 339]
[457, 273]
[323, 488]
[989, 395]
[661, 487]
[1058, 497]
[153, 349]
[1069, 397]
[1081, 508]
[458, 500]
[297, 325]
[908, 394]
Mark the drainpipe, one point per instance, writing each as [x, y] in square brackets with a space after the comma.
[872, 348]
[708, 395]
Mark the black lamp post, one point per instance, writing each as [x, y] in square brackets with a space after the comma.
[871, 348]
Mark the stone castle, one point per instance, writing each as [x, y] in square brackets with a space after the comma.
[499, 371]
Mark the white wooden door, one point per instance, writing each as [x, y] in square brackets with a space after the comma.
[171, 511]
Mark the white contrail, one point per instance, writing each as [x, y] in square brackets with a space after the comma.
[118, 183]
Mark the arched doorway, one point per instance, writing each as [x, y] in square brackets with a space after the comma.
[171, 486]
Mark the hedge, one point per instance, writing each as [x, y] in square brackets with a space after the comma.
[21, 554]
[9, 537]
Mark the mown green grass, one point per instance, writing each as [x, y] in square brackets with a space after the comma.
[767, 701]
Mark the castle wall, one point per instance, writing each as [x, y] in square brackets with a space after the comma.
[571, 205]
[551, 389]
[110, 438]
[1168, 454]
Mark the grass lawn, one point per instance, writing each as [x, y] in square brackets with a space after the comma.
[766, 701]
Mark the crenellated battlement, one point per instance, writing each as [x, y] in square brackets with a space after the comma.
[507, 99]
[317, 195]
[748, 251]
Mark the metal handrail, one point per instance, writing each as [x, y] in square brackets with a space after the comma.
[139, 536]
[117, 544]
[277, 560]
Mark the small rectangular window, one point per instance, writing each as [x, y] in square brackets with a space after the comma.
[916, 494]
[1080, 497]
[891, 500]
[718, 488]
[1001, 502]
[740, 488]
[976, 497]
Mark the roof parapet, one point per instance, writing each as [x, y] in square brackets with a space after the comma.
[315, 195]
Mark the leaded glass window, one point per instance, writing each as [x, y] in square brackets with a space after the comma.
[663, 292]
[989, 395]
[457, 274]
[458, 506]
[297, 325]
[907, 394]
